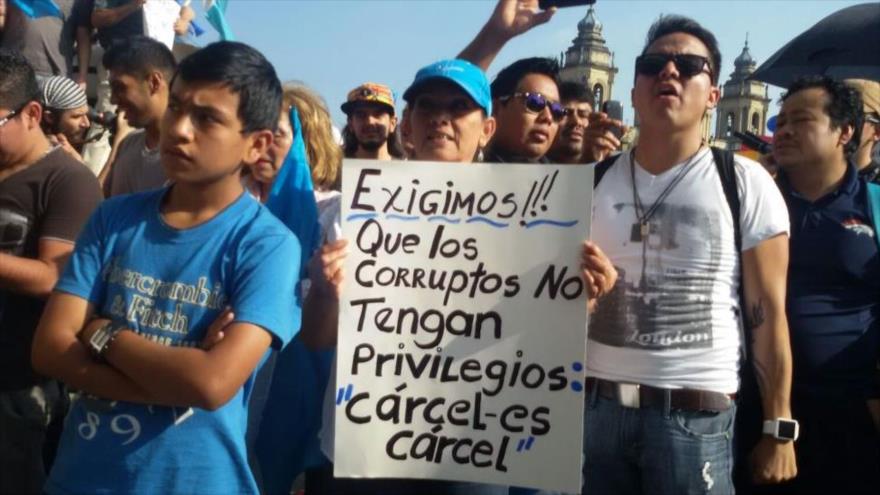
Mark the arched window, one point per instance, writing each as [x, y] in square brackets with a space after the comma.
[756, 124]
[598, 95]
[729, 124]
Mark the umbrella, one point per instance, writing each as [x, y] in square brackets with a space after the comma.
[846, 44]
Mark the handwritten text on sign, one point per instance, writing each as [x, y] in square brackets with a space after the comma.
[462, 325]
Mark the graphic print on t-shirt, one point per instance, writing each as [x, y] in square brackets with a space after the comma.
[661, 307]
[14, 228]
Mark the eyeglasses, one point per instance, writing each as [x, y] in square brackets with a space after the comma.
[536, 102]
[11, 115]
[688, 65]
[871, 117]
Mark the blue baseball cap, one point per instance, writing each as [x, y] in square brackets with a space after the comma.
[462, 73]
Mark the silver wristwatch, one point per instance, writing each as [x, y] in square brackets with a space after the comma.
[782, 429]
[103, 337]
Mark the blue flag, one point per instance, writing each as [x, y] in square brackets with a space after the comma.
[38, 8]
[215, 11]
[292, 198]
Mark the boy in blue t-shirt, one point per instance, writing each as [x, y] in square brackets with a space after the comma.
[165, 410]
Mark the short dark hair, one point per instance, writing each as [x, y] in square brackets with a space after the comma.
[844, 105]
[138, 56]
[569, 91]
[671, 24]
[508, 79]
[18, 83]
[246, 72]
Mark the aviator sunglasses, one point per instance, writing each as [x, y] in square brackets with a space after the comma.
[536, 102]
[688, 65]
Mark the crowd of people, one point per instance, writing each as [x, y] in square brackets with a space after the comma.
[162, 292]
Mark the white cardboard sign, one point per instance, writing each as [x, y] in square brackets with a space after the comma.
[462, 325]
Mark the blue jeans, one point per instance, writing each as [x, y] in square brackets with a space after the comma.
[656, 450]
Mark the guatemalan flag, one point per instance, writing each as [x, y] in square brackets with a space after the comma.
[215, 11]
[37, 8]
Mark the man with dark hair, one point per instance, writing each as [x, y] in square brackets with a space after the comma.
[369, 131]
[525, 98]
[65, 113]
[688, 229]
[45, 198]
[833, 287]
[140, 69]
[130, 321]
[578, 104]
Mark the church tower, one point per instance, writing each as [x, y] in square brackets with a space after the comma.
[589, 61]
[744, 103]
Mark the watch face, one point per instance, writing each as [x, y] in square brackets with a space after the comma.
[787, 429]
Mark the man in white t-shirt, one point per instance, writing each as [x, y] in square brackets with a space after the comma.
[663, 350]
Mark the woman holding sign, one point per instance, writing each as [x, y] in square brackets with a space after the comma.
[449, 119]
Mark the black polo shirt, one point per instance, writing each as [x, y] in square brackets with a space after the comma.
[833, 300]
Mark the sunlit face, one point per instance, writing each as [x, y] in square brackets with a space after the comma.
[804, 135]
[570, 138]
[16, 126]
[372, 125]
[132, 95]
[267, 167]
[668, 100]
[523, 132]
[74, 124]
[445, 124]
[202, 138]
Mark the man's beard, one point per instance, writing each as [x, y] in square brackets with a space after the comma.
[373, 145]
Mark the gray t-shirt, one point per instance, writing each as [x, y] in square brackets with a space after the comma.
[46, 42]
[136, 168]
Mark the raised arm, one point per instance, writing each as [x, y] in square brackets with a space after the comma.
[765, 270]
[509, 19]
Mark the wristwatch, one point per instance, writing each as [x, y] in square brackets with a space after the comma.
[103, 337]
[782, 429]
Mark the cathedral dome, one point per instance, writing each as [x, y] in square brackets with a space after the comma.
[589, 22]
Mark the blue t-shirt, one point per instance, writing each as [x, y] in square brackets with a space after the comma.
[833, 302]
[168, 285]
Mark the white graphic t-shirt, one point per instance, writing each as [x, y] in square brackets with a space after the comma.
[672, 320]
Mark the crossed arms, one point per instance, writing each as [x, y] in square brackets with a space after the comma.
[142, 371]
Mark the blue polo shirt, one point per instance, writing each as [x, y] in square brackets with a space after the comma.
[833, 290]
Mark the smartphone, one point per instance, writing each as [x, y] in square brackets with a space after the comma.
[614, 110]
[546, 4]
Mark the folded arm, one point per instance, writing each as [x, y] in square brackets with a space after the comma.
[139, 370]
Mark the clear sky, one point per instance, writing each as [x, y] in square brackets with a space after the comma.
[334, 45]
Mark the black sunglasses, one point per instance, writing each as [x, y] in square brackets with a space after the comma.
[688, 65]
[536, 102]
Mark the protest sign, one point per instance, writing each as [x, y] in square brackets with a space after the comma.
[159, 19]
[462, 324]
